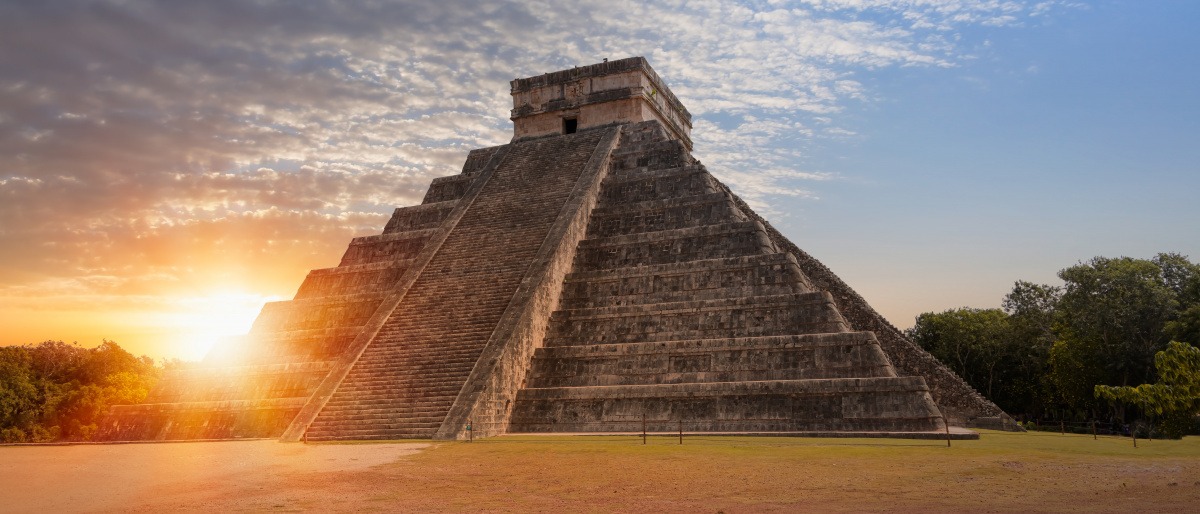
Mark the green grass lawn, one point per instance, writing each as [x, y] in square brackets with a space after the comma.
[999, 472]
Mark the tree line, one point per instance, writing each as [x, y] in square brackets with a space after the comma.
[1118, 341]
[56, 391]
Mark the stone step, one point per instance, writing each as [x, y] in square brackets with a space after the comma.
[752, 275]
[642, 186]
[668, 214]
[806, 313]
[386, 247]
[674, 246]
[798, 357]
[353, 279]
[856, 404]
[423, 362]
[387, 419]
[367, 435]
[419, 217]
[651, 155]
[447, 189]
[397, 405]
[328, 312]
[421, 388]
[428, 399]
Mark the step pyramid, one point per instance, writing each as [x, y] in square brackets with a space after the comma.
[589, 276]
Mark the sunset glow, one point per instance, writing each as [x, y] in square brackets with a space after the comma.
[169, 166]
[202, 321]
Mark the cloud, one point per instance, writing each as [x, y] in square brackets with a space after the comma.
[152, 144]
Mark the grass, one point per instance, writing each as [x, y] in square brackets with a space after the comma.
[998, 472]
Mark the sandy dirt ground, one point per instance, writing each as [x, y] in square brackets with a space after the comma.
[999, 473]
[208, 476]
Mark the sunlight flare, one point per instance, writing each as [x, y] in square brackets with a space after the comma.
[202, 321]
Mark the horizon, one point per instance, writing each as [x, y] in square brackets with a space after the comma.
[173, 167]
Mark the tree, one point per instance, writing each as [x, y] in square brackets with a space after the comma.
[1186, 327]
[56, 390]
[18, 393]
[1118, 309]
[1175, 397]
[1032, 309]
[974, 343]
[1181, 275]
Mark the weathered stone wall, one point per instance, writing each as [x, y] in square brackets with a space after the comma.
[681, 310]
[386, 247]
[959, 402]
[754, 275]
[790, 357]
[353, 279]
[418, 217]
[813, 407]
[623, 91]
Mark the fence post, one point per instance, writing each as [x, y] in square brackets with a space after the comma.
[1062, 427]
[470, 431]
[946, 422]
[1093, 430]
[680, 430]
[643, 427]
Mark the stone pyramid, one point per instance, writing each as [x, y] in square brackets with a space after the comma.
[589, 276]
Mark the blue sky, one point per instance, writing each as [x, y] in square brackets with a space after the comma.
[1062, 139]
[170, 166]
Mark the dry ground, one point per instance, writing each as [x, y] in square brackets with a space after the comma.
[1001, 472]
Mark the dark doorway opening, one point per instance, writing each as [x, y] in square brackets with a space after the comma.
[570, 125]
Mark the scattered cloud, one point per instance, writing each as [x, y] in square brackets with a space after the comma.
[152, 145]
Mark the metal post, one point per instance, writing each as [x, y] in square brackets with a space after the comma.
[680, 430]
[643, 428]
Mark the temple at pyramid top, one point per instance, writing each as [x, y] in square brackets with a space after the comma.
[608, 93]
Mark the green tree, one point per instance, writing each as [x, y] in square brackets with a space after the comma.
[1186, 327]
[18, 393]
[56, 390]
[973, 342]
[1116, 308]
[1181, 275]
[1032, 309]
[1175, 398]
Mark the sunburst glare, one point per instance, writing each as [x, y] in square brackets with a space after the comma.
[202, 321]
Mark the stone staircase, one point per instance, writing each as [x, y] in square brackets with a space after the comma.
[253, 386]
[407, 379]
[682, 313]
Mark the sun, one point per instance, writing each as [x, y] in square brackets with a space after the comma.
[202, 321]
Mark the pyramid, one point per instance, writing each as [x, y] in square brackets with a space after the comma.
[589, 276]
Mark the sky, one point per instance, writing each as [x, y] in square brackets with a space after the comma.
[170, 166]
